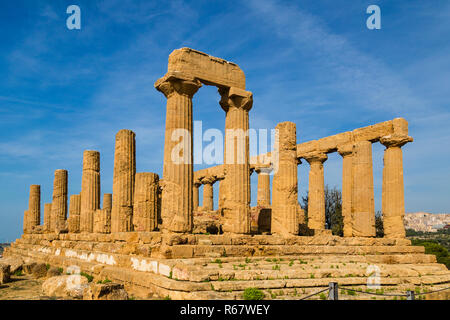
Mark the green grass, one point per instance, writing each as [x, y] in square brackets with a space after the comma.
[88, 276]
[18, 273]
[104, 281]
[253, 294]
[322, 296]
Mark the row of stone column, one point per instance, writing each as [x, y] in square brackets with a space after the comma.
[132, 206]
[358, 208]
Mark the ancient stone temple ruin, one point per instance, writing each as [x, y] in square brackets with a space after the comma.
[151, 235]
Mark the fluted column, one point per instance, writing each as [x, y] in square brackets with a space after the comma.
[208, 197]
[123, 181]
[263, 195]
[363, 208]
[195, 195]
[176, 202]
[285, 181]
[47, 217]
[235, 188]
[34, 206]
[59, 203]
[145, 215]
[26, 222]
[346, 151]
[107, 201]
[316, 192]
[90, 190]
[393, 198]
[74, 213]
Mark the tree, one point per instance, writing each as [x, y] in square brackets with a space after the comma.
[333, 209]
[379, 228]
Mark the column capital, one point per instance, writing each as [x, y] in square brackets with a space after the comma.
[315, 156]
[208, 180]
[395, 140]
[235, 97]
[345, 149]
[263, 169]
[179, 83]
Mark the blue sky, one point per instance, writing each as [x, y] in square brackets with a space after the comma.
[311, 62]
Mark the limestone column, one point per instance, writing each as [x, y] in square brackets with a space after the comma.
[195, 195]
[107, 201]
[59, 203]
[316, 193]
[208, 200]
[47, 216]
[263, 195]
[363, 208]
[346, 151]
[393, 198]
[285, 181]
[34, 206]
[90, 190]
[235, 188]
[102, 221]
[74, 213]
[145, 209]
[26, 226]
[123, 181]
[176, 201]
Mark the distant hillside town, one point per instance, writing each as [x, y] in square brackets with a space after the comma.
[427, 222]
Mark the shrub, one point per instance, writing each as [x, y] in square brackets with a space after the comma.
[88, 276]
[253, 294]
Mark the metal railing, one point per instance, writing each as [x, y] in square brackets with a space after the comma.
[334, 295]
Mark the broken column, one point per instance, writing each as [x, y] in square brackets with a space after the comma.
[316, 192]
[123, 181]
[176, 202]
[102, 221]
[90, 190]
[363, 208]
[263, 195]
[195, 195]
[235, 188]
[285, 181]
[208, 200]
[346, 151]
[393, 198]
[34, 206]
[102, 217]
[47, 216]
[145, 209]
[59, 203]
[74, 213]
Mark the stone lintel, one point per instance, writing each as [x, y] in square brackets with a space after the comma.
[208, 69]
